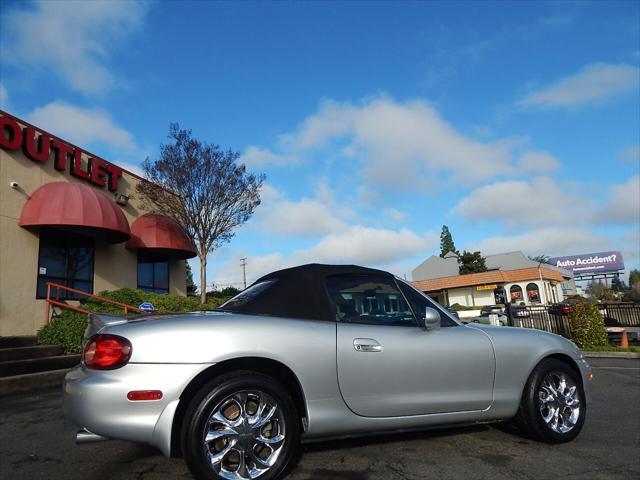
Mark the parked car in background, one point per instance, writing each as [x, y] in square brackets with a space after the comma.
[496, 319]
[560, 309]
[310, 353]
[487, 309]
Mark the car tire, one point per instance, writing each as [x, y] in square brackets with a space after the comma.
[553, 406]
[240, 423]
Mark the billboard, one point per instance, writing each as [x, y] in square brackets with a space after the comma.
[600, 262]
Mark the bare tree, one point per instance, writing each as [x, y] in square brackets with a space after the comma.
[203, 188]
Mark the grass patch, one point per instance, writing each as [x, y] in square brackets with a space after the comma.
[612, 348]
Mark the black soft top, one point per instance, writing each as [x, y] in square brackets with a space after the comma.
[297, 292]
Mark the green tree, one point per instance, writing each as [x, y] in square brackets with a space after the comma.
[634, 278]
[598, 291]
[587, 326]
[446, 242]
[618, 285]
[470, 262]
[201, 187]
[540, 259]
[192, 288]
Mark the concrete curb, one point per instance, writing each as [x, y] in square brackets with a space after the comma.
[32, 381]
[611, 354]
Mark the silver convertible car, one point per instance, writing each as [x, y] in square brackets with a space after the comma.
[311, 353]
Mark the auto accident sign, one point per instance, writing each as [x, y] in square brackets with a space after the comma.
[590, 262]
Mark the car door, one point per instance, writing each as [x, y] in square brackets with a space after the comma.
[388, 365]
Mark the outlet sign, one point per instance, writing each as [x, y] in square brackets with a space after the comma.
[590, 262]
[39, 147]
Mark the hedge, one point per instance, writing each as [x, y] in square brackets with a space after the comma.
[587, 326]
[68, 328]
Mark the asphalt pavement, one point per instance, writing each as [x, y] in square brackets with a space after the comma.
[36, 442]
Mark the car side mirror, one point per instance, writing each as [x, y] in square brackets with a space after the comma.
[431, 319]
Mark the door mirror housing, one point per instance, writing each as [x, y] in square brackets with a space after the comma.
[431, 319]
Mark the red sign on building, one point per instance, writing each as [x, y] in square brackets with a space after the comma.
[38, 146]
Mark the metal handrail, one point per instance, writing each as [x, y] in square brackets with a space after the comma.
[56, 301]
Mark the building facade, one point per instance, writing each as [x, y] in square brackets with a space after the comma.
[73, 219]
[511, 278]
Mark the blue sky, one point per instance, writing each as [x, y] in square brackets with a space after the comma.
[517, 124]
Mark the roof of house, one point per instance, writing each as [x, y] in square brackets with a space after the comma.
[438, 267]
[484, 278]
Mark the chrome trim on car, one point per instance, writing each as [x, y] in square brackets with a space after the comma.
[85, 436]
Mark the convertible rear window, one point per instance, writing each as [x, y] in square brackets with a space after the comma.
[246, 296]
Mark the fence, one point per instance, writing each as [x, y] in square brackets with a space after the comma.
[551, 318]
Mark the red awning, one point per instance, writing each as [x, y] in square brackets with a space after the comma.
[161, 234]
[78, 207]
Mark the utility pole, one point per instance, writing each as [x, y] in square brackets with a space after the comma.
[243, 264]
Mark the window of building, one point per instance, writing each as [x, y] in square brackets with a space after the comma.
[153, 272]
[533, 293]
[67, 259]
[516, 294]
[369, 299]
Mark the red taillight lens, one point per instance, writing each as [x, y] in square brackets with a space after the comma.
[106, 352]
[566, 309]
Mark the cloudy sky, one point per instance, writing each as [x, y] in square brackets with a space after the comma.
[517, 124]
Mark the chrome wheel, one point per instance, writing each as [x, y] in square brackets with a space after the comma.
[559, 402]
[244, 435]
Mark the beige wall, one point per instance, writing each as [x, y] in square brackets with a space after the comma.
[115, 266]
[470, 297]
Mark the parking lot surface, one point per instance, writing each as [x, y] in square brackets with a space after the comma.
[37, 442]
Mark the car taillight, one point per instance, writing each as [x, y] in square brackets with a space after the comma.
[106, 352]
[566, 309]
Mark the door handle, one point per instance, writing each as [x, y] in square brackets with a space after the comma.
[366, 345]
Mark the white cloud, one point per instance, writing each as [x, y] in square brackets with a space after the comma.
[307, 217]
[537, 162]
[386, 249]
[398, 144]
[598, 81]
[550, 241]
[82, 126]
[131, 167]
[366, 246]
[623, 205]
[72, 39]
[395, 215]
[254, 157]
[520, 203]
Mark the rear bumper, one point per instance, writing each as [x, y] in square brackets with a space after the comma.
[97, 400]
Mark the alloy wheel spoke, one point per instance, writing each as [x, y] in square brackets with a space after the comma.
[573, 403]
[259, 461]
[272, 441]
[218, 417]
[216, 458]
[216, 434]
[547, 418]
[266, 418]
